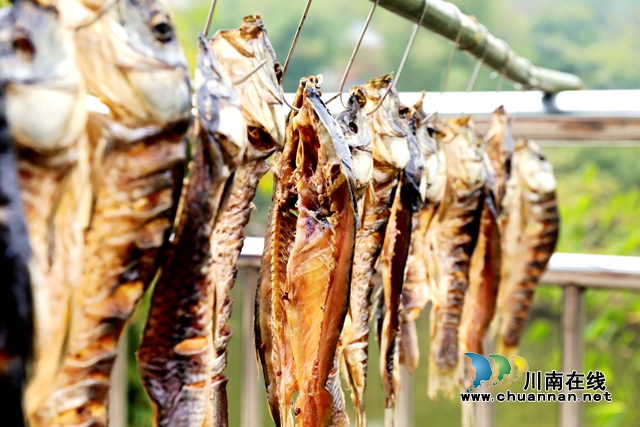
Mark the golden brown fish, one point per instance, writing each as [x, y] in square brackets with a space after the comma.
[240, 53]
[415, 292]
[530, 231]
[176, 355]
[451, 239]
[133, 62]
[393, 260]
[46, 114]
[303, 294]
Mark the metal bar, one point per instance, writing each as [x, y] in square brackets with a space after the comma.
[251, 415]
[445, 19]
[117, 410]
[571, 414]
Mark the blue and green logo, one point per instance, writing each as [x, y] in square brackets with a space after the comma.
[484, 370]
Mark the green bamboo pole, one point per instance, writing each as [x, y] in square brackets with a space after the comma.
[446, 19]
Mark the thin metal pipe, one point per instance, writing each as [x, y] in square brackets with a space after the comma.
[207, 25]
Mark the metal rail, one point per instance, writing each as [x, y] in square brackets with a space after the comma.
[446, 19]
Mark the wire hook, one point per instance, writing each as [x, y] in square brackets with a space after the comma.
[353, 54]
[393, 84]
[207, 25]
[505, 69]
[476, 70]
[456, 46]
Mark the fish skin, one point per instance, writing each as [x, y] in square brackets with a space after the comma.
[530, 221]
[46, 115]
[314, 214]
[177, 352]
[239, 52]
[388, 137]
[452, 238]
[16, 301]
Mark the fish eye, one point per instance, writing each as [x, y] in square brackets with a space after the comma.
[22, 47]
[353, 127]
[162, 28]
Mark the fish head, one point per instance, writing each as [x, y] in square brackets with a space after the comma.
[535, 170]
[388, 132]
[354, 126]
[431, 182]
[34, 45]
[499, 142]
[463, 152]
[218, 106]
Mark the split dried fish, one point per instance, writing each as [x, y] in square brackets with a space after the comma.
[46, 115]
[16, 304]
[451, 239]
[176, 355]
[415, 293]
[303, 294]
[390, 156]
[393, 260]
[132, 60]
[530, 221]
[248, 57]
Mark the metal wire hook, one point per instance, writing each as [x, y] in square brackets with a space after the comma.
[393, 84]
[207, 25]
[353, 55]
[505, 69]
[476, 70]
[456, 45]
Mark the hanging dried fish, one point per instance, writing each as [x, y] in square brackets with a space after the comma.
[390, 156]
[133, 62]
[16, 266]
[176, 355]
[303, 294]
[248, 57]
[46, 116]
[415, 292]
[393, 260]
[530, 222]
[354, 125]
[484, 274]
[451, 239]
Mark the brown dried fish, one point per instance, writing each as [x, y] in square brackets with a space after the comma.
[303, 294]
[530, 222]
[451, 238]
[390, 156]
[176, 355]
[132, 60]
[393, 260]
[241, 53]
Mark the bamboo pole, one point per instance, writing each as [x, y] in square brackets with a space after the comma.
[445, 19]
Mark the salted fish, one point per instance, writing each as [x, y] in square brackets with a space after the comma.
[415, 292]
[46, 116]
[390, 156]
[393, 261]
[530, 223]
[242, 53]
[131, 59]
[303, 293]
[176, 354]
[451, 239]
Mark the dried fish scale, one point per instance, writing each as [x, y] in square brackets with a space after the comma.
[390, 156]
[530, 223]
[176, 355]
[240, 53]
[452, 238]
[311, 235]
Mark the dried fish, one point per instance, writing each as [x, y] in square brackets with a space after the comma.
[46, 116]
[415, 292]
[132, 60]
[303, 294]
[451, 239]
[530, 222]
[393, 260]
[176, 355]
[16, 304]
[390, 156]
[241, 53]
